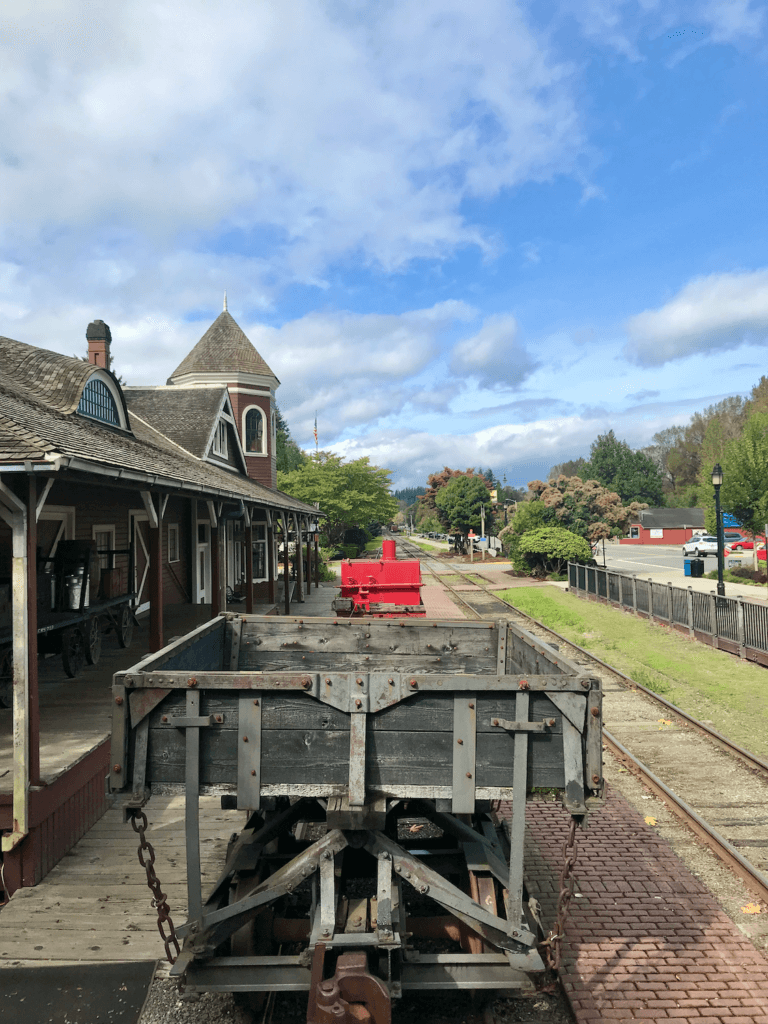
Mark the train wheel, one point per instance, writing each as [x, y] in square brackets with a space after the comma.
[93, 640]
[125, 627]
[73, 651]
[6, 678]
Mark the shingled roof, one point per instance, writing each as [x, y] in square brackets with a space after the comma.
[224, 348]
[32, 428]
[671, 518]
[186, 415]
[45, 376]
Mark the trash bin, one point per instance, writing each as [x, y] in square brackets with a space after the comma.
[697, 567]
[686, 567]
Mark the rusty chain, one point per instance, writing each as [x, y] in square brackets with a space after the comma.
[555, 938]
[158, 896]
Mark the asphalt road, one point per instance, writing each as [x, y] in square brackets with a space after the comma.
[648, 559]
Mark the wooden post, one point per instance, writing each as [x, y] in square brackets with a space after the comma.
[215, 571]
[249, 566]
[32, 679]
[309, 564]
[286, 566]
[271, 562]
[156, 586]
[317, 561]
[299, 560]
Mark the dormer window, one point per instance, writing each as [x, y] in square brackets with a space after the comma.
[220, 440]
[98, 402]
[254, 432]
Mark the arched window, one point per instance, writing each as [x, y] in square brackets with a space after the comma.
[98, 402]
[254, 432]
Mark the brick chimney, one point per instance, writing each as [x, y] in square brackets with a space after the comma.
[99, 339]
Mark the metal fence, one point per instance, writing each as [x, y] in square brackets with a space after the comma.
[732, 623]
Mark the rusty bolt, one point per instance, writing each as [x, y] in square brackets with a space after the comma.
[307, 684]
[327, 855]
[552, 722]
[165, 718]
[117, 768]
[469, 775]
[414, 684]
[595, 779]
[585, 683]
[256, 703]
[219, 718]
[515, 934]
[253, 771]
[495, 721]
[326, 986]
[460, 742]
[391, 682]
[328, 680]
[424, 888]
[245, 739]
[472, 705]
[359, 681]
[192, 682]
[118, 701]
[358, 703]
[595, 712]
[524, 684]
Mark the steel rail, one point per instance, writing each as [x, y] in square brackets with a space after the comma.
[753, 760]
[685, 813]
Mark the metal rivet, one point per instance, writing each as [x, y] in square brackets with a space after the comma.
[552, 722]
[414, 684]
[358, 703]
[192, 682]
[256, 703]
[472, 706]
[585, 683]
[595, 778]
[595, 712]
[391, 682]
[328, 681]
[118, 701]
[495, 721]
[469, 775]
[307, 683]
[165, 718]
[359, 682]
[460, 742]
[253, 771]
[245, 739]
[117, 768]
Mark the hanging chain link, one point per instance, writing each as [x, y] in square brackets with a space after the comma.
[555, 938]
[139, 824]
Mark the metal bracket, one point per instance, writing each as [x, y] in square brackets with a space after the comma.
[184, 722]
[504, 723]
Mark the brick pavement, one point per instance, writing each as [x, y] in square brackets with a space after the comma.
[645, 940]
[438, 604]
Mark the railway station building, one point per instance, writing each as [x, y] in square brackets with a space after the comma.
[119, 506]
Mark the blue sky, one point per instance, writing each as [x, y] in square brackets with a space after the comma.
[463, 234]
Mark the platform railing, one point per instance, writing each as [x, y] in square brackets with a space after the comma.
[729, 623]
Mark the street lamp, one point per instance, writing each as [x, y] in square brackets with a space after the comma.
[717, 479]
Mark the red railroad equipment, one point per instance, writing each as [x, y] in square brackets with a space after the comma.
[385, 587]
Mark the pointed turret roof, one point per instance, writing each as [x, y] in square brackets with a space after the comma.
[224, 348]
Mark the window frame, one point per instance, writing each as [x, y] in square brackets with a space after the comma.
[173, 531]
[220, 445]
[264, 422]
[112, 387]
[110, 529]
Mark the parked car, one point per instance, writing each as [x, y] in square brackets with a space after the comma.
[733, 537]
[743, 544]
[701, 546]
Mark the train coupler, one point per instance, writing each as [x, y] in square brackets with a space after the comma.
[352, 996]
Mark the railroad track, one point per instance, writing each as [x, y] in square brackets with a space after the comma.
[717, 788]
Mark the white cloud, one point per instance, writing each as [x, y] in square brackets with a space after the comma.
[494, 356]
[720, 311]
[336, 128]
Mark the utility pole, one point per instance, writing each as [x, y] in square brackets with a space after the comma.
[482, 526]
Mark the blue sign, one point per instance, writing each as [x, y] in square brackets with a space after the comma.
[729, 520]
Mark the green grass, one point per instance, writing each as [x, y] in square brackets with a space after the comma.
[373, 545]
[731, 577]
[709, 684]
[423, 546]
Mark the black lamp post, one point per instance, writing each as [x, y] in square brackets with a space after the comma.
[717, 479]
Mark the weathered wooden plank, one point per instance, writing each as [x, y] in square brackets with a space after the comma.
[329, 661]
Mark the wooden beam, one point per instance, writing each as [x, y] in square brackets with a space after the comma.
[32, 679]
[149, 505]
[249, 567]
[271, 565]
[41, 500]
[156, 587]
[216, 603]
[299, 560]
[286, 566]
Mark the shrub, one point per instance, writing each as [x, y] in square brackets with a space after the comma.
[549, 549]
[350, 550]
